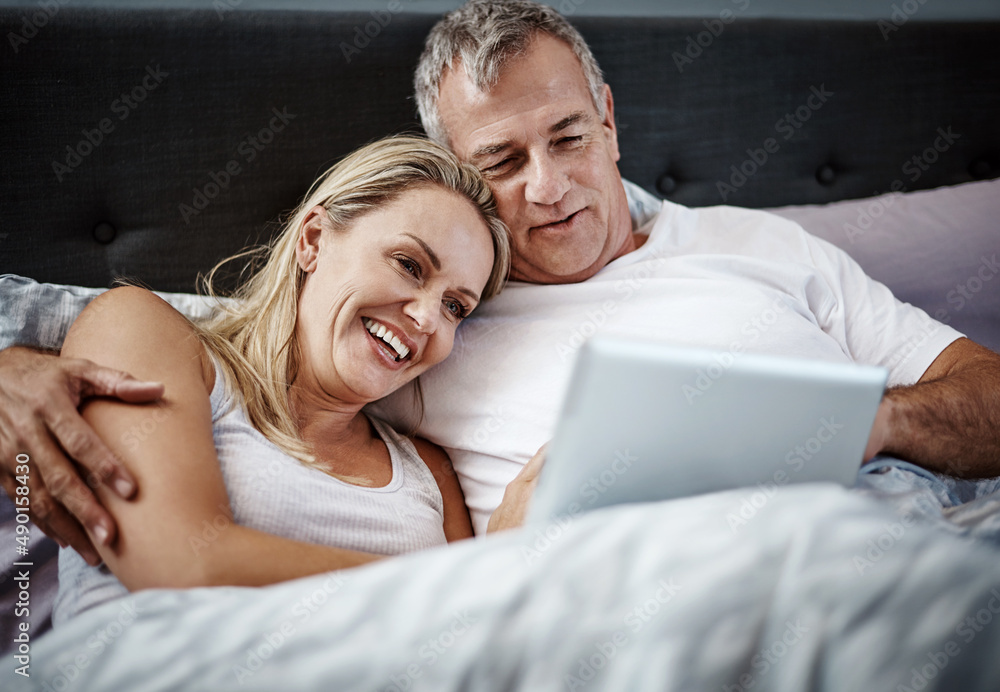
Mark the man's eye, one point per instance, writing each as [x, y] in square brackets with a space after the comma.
[497, 167]
[571, 140]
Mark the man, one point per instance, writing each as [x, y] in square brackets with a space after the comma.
[513, 88]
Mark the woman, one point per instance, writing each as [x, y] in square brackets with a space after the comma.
[361, 293]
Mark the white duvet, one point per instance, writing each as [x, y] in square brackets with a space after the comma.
[813, 588]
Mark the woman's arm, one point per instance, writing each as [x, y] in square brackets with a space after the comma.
[169, 450]
[457, 524]
[39, 396]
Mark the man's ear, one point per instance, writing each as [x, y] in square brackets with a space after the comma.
[307, 246]
[609, 123]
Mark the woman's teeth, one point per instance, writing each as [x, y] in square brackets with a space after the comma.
[382, 332]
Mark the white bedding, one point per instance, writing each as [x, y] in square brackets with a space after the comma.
[804, 558]
[820, 588]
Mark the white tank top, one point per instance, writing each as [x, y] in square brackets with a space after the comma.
[275, 493]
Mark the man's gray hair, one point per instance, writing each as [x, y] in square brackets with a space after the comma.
[483, 35]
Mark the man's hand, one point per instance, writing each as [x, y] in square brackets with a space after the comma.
[949, 421]
[879, 435]
[39, 397]
[514, 506]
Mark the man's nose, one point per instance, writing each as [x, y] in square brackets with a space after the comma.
[546, 183]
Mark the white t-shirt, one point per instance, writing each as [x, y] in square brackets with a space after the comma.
[724, 278]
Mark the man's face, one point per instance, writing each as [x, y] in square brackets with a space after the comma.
[549, 159]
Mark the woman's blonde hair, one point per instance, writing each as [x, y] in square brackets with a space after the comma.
[253, 336]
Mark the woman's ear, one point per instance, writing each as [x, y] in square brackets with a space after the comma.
[307, 246]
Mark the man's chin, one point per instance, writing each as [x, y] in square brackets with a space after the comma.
[555, 274]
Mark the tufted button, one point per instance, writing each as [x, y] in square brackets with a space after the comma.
[825, 175]
[104, 233]
[666, 184]
[980, 169]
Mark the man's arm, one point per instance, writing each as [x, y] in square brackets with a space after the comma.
[949, 421]
[513, 509]
[39, 396]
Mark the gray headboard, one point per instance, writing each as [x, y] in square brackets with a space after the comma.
[150, 143]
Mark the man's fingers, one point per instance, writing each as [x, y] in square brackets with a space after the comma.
[88, 449]
[54, 521]
[135, 391]
[534, 465]
[60, 483]
[96, 380]
[66, 530]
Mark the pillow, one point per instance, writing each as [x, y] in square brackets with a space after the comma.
[937, 249]
[36, 314]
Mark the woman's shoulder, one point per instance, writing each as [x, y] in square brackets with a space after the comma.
[127, 305]
[434, 457]
[131, 319]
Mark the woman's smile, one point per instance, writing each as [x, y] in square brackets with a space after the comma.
[387, 341]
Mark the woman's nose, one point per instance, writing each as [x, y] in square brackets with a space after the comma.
[424, 310]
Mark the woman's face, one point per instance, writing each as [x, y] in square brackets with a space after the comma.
[381, 300]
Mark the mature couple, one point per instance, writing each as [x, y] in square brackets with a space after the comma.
[365, 290]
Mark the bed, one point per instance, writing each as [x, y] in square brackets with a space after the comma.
[151, 139]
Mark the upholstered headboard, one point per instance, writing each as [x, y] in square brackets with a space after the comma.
[151, 142]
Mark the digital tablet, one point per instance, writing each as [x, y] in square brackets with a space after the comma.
[644, 421]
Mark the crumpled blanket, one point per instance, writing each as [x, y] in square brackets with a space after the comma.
[808, 587]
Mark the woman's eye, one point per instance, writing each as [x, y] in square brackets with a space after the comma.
[455, 308]
[409, 266]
